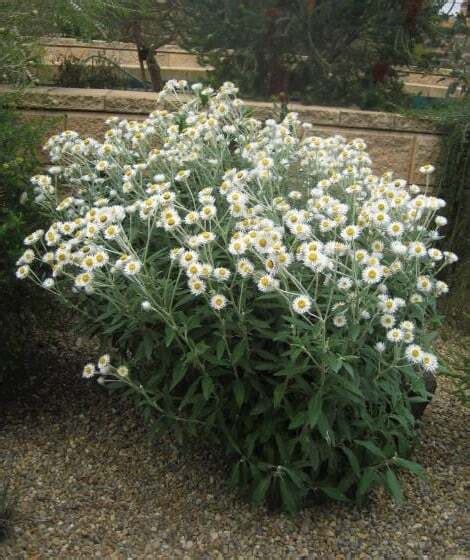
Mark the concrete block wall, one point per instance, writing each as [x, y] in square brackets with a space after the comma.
[395, 142]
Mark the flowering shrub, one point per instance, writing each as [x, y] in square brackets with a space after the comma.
[262, 288]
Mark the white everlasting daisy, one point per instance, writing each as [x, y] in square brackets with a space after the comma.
[408, 337]
[414, 353]
[83, 280]
[245, 268]
[417, 249]
[427, 169]
[237, 247]
[424, 284]
[350, 233]
[23, 272]
[221, 273]
[435, 254]
[450, 257]
[196, 286]
[191, 218]
[27, 257]
[103, 363]
[302, 304]
[111, 232]
[387, 321]
[101, 258]
[208, 212]
[395, 229]
[206, 237]
[395, 335]
[441, 288]
[218, 302]
[340, 321]
[267, 283]
[372, 274]
[398, 248]
[89, 371]
[182, 175]
[187, 258]
[407, 326]
[132, 268]
[429, 362]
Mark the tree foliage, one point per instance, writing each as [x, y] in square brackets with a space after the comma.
[329, 51]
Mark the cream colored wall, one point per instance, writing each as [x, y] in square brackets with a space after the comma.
[395, 143]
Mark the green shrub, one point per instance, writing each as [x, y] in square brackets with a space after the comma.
[263, 288]
[18, 159]
[100, 73]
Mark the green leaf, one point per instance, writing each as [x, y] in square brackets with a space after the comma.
[278, 394]
[207, 387]
[372, 448]
[297, 421]
[239, 351]
[261, 490]
[411, 466]
[353, 461]
[326, 430]
[235, 475]
[297, 477]
[220, 349]
[315, 408]
[367, 479]
[333, 362]
[169, 335]
[288, 496]
[178, 374]
[334, 493]
[239, 390]
[393, 486]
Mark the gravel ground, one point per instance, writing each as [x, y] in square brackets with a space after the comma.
[89, 485]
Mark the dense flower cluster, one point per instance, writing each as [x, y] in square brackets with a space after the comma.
[337, 243]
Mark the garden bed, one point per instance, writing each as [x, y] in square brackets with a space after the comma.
[89, 485]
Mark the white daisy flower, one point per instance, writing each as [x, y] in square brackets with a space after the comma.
[387, 321]
[267, 283]
[89, 371]
[372, 274]
[395, 335]
[429, 362]
[424, 284]
[350, 233]
[414, 353]
[221, 273]
[196, 286]
[340, 321]
[132, 268]
[23, 272]
[302, 304]
[218, 302]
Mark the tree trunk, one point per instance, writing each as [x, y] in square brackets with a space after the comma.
[142, 50]
[154, 70]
